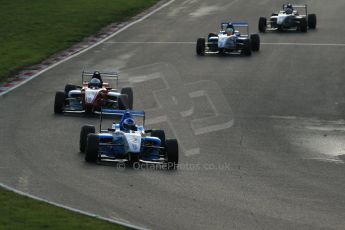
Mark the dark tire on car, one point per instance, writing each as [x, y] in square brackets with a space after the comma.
[160, 134]
[247, 49]
[312, 21]
[85, 130]
[59, 102]
[200, 47]
[123, 102]
[129, 92]
[91, 151]
[211, 35]
[262, 24]
[69, 87]
[89, 110]
[133, 159]
[255, 42]
[303, 25]
[280, 28]
[171, 153]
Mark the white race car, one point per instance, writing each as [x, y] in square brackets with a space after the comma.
[233, 38]
[291, 17]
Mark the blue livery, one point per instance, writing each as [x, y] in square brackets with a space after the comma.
[129, 142]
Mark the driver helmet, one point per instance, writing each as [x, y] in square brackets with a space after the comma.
[95, 83]
[289, 8]
[129, 124]
[97, 75]
[229, 30]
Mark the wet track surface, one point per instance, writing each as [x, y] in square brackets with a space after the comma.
[261, 137]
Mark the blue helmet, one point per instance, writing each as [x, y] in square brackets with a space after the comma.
[95, 83]
[128, 124]
[230, 30]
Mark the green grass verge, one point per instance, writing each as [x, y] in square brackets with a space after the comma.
[20, 212]
[31, 31]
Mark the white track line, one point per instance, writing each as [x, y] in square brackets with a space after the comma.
[90, 47]
[263, 43]
[151, 43]
[303, 44]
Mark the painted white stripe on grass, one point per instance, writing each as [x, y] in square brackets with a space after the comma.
[88, 48]
[71, 209]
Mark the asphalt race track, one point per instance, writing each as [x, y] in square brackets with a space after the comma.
[262, 138]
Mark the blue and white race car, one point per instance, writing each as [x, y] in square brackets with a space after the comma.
[233, 38]
[291, 17]
[128, 142]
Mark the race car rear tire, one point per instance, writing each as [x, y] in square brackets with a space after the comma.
[59, 102]
[160, 134]
[123, 102]
[312, 21]
[129, 92]
[85, 130]
[200, 47]
[171, 153]
[303, 25]
[211, 35]
[262, 24]
[247, 51]
[255, 42]
[91, 151]
[69, 87]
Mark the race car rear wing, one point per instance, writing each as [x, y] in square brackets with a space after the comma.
[133, 113]
[113, 75]
[239, 25]
[302, 6]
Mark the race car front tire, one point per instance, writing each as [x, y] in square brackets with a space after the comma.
[129, 92]
[255, 42]
[85, 130]
[312, 21]
[160, 134]
[262, 24]
[200, 47]
[59, 102]
[91, 151]
[171, 153]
